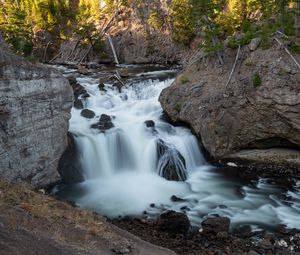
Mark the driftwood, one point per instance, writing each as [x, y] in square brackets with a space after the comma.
[287, 51]
[234, 65]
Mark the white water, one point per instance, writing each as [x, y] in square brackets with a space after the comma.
[121, 171]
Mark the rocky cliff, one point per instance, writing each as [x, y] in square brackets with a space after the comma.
[35, 105]
[259, 108]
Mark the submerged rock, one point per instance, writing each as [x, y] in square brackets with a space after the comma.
[258, 109]
[170, 162]
[104, 123]
[35, 105]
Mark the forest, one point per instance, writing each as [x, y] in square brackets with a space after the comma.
[21, 20]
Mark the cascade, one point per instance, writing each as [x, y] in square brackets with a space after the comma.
[140, 160]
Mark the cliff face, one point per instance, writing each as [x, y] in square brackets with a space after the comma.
[258, 109]
[35, 104]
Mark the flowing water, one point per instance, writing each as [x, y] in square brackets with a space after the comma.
[122, 166]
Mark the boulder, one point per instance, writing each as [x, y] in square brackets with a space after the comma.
[35, 105]
[215, 225]
[254, 44]
[170, 162]
[86, 113]
[258, 109]
[174, 223]
[149, 123]
[104, 123]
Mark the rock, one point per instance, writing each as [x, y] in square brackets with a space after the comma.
[104, 123]
[177, 199]
[101, 86]
[170, 162]
[35, 105]
[78, 104]
[215, 225]
[69, 166]
[149, 123]
[174, 222]
[254, 44]
[77, 88]
[231, 164]
[86, 113]
[240, 116]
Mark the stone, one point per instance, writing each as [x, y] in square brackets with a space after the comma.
[104, 123]
[101, 86]
[174, 222]
[215, 225]
[87, 113]
[35, 106]
[170, 162]
[78, 104]
[69, 166]
[149, 123]
[254, 44]
[248, 118]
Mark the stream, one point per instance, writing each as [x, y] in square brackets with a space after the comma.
[123, 166]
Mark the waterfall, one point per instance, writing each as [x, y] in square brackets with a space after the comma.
[141, 160]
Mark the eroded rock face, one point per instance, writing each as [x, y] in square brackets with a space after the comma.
[258, 109]
[35, 104]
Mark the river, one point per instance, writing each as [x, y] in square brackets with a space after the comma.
[123, 166]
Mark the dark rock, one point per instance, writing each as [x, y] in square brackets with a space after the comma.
[174, 222]
[215, 225]
[177, 199]
[149, 123]
[104, 123]
[152, 205]
[78, 104]
[69, 166]
[101, 86]
[170, 163]
[77, 88]
[89, 114]
[85, 95]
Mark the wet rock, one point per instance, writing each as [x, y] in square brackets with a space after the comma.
[89, 114]
[101, 86]
[149, 123]
[69, 166]
[215, 225]
[78, 104]
[104, 123]
[85, 95]
[77, 88]
[170, 163]
[174, 222]
[177, 199]
[254, 44]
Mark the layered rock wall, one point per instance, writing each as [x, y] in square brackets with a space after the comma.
[35, 104]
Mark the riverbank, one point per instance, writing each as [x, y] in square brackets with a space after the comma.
[32, 222]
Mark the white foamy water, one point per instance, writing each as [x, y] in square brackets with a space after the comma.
[122, 166]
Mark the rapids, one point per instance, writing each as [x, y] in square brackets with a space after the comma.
[122, 167]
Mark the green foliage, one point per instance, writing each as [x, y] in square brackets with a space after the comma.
[181, 20]
[256, 80]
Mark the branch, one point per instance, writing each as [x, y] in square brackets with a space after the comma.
[288, 52]
[234, 65]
